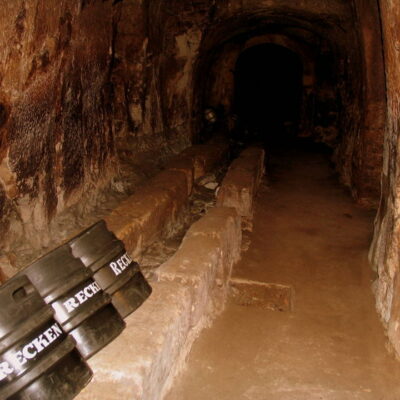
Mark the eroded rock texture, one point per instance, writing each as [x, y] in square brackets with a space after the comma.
[385, 248]
[57, 131]
[86, 89]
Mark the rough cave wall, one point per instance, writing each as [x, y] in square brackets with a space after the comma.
[367, 159]
[56, 126]
[157, 45]
[384, 253]
[91, 91]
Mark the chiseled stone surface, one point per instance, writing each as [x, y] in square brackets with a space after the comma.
[195, 264]
[206, 156]
[176, 183]
[139, 363]
[183, 164]
[151, 211]
[205, 259]
[254, 159]
[142, 217]
[242, 181]
[221, 224]
[154, 209]
[237, 190]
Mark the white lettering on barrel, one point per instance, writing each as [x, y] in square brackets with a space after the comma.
[71, 304]
[121, 264]
[53, 333]
[88, 291]
[56, 331]
[81, 297]
[40, 343]
[19, 358]
[30, 350]
[5, 370]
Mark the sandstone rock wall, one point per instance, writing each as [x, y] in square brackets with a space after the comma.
[90, 92]
[56, 130]
[385, 248]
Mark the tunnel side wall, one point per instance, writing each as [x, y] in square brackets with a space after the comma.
[385, 248]
[59, 112]
[56, 130]
[90, 93]
[368, 149]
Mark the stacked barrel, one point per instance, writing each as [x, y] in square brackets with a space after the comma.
[62, 309]
[112, 268]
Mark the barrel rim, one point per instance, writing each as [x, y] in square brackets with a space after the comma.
[43, 365]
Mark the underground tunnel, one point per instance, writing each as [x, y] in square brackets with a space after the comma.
[211, 188]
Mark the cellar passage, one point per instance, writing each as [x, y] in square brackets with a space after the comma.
[96, 96]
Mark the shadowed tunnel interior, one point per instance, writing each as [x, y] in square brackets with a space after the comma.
[280, 80]
[268, 93]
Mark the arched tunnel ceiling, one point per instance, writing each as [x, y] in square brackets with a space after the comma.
[325, 26]
[142, 66]
[310, 34]
[326, 30]
[303, 27]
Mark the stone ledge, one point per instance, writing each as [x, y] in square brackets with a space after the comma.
[205, 259]
[140, 219]
[185, 165]
[206, 156]
[242, 181]
[224, 225]
[192, 288]
[140, 362]
[251, 159]
[154, 209]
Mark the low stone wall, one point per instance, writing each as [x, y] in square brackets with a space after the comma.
[205, 157]
[204, 261]
[242, 181]
[190, 290]
[150, 212]
[154, 209]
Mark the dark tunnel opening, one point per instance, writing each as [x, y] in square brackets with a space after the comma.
[268, 94]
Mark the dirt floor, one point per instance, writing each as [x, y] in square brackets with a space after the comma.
[308, 233]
